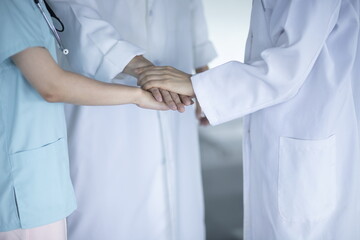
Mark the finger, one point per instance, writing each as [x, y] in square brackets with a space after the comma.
[198, 111]
[155, 68]
[149, 85]
[168, 99]
[198, 114]
[156, 93]
[146, 77]
[153, 84]
[186, 100]
[177, 100]
[158, 73]
[204, 121]
[148, 102]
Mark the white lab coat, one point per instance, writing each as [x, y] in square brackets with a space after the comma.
[301, 145]
[136, 172]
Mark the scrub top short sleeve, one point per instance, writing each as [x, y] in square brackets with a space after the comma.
[22, 26]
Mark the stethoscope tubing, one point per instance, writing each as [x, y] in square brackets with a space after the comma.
[52, 28]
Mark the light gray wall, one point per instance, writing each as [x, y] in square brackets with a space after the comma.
[228, 22]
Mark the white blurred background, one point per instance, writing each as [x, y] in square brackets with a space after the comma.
[221, 147]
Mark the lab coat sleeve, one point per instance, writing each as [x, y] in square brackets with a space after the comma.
[96, 48]
[355, 80]
[298, 30]
[204, 50]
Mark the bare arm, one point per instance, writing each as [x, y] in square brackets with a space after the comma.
[56, 85]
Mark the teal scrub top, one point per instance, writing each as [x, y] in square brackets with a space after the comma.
[35, 186]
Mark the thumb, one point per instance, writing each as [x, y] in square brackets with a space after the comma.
[151, 84]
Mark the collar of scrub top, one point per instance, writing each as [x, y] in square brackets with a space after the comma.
[52, 27]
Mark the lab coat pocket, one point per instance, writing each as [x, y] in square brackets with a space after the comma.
[42, 183]
[307, 179]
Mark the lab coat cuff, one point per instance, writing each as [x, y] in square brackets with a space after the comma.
[200, 83]
[204, 54]
[116, 59]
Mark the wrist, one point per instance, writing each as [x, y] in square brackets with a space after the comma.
[141, 61]
[137, 96]
[202, 69]
[136, 62]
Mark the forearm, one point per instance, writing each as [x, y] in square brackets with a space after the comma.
[76, 89]
[56, 85]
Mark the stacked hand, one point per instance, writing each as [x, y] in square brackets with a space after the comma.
[173, 100]
[167, 78]
[167, 85]
[172, 80]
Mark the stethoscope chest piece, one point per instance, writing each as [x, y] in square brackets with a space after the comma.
[64, 50]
